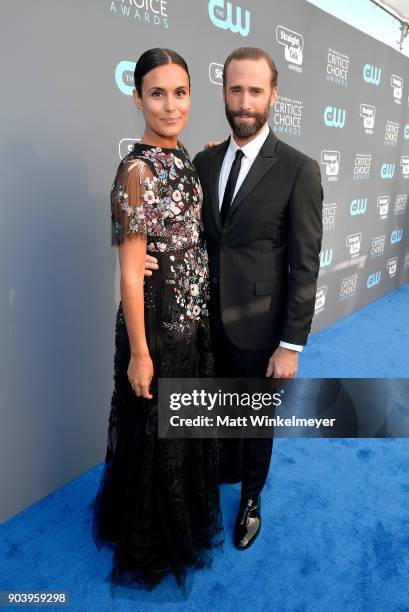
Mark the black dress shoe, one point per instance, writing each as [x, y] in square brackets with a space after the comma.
[248, 523]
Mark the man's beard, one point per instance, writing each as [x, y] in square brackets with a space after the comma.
[244, 130]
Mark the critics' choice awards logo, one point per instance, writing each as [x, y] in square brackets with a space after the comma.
[362, 166]
[347, 288]
[406, 264]
[124, 77]
[406, 132]
[397, 88]
[153, 12]
[334, 117]
[320, 299]
[331, 161]
[293, 44]
[391, 132]
[382, 203]
[326, 258]
[353, 244]
[404, 162]
[337, 67]
[367, 112]
[287, 116]
[396, 235]
[329, 212]
[358, 206]
[216, 73]
[377, 246]
[392, 266]
[126, 145]
[371, 74]
[374, 279]
[387, 171]
[225, 16]
[400, 204]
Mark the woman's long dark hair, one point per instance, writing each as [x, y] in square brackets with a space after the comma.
[152, 58]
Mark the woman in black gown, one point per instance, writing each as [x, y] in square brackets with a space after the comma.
[158, 501]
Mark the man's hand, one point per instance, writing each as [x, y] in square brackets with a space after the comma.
[283, 363]
[151, 263]
[211, 143]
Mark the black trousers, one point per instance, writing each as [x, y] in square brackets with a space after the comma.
[247, 458]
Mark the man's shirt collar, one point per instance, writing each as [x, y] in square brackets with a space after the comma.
[252, 148]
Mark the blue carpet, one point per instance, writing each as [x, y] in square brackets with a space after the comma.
[370, 343]
[335, 531]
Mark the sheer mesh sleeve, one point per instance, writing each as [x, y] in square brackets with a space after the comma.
[133, 196]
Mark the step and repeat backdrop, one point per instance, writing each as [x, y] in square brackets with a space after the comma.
[343, 99]
[67, 117]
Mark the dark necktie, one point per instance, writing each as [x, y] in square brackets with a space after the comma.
[230, 185]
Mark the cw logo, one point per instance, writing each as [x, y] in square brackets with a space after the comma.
[124, 77]
[387, 171]
[396, 236]
[326, 258]
[334, 117]
[372, 74]
[222, 17]
[374, 279]
[406, 131]
[358, 207]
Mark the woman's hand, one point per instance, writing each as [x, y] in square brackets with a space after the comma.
[140, 373]
[211, 144]
[151, 263]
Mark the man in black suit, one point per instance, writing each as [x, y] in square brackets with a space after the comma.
[262, 216]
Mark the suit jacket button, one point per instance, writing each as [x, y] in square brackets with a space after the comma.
[214, 279]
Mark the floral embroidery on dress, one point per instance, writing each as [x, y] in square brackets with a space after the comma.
[189, 278]
[157, 193]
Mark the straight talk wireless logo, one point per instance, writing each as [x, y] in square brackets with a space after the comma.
[392, 266]
[367, 112]
[382, 203]
[320, 298]
[148, 12]
[293, 44]
[397, 88]
[331, 160]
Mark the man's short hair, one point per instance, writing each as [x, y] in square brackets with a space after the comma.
[251, 53]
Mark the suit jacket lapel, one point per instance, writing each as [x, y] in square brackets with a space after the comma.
[214, 174]
[266, 158]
